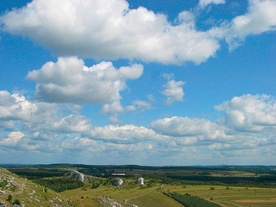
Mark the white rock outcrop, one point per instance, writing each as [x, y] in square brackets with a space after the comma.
[140, 181]
[117, 182]
[77, 175]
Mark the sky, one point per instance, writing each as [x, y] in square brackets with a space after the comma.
[160, 82]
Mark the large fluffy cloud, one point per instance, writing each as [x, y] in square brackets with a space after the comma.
[261, 17]
[109, 29]
[69, 80]
[250, 112]
[188, 127]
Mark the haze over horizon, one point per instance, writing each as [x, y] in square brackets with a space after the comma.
[138, 82]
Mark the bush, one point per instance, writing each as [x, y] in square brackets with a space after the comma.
[95, 184]
[9, 197]
[17, 202]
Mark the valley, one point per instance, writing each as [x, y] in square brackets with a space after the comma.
[93, 186]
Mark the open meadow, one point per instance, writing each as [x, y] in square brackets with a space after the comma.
[225, 196]
[93, 186]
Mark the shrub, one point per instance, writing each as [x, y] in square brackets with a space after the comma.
[95, 184]
[9, 197]
[16, 201]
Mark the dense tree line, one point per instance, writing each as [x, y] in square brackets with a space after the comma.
[262, 181]
[191, 201]
[36, 173]
[60, 184]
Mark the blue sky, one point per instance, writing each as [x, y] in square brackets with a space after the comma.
[138, 82]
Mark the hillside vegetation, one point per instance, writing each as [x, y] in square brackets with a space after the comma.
[20, 191]
[60, 184]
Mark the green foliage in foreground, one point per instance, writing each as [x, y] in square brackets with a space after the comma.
[191, 201]
[60, 184]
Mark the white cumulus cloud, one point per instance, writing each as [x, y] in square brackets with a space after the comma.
[38, 119]
[69, 81]
[110, 29]
[188, 127]
[250, 112]
[18, 141]
[260, 18]
[15, 107]
[12, 139]
[173, 90]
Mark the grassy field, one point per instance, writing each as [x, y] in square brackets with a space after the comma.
[232, 196]
[154, 197]
[145, 197]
